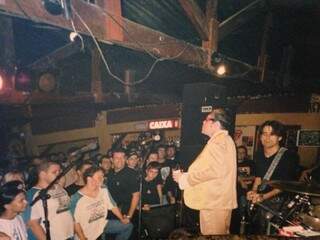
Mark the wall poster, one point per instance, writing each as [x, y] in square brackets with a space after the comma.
[246, 135]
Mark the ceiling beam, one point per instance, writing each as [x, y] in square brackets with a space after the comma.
[197, 17]
[241, 17]
[136, 36]
[57, 55]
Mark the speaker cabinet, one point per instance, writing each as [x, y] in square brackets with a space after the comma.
[197, 100]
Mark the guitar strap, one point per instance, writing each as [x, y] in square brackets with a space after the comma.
[271, 168]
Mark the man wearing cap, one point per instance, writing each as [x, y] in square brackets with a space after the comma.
[12, 203]
[133, 159]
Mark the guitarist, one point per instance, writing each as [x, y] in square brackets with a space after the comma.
[272, 162]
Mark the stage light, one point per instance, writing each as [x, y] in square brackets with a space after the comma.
[1, 83]
[53, 6]
[47, 82]
[218, 61]
[57, 7]
[23, 80]
[5, 80]
[221, 69]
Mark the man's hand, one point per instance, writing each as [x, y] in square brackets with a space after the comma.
[305, 176]
[125, 220]
[255, 197]
[146, 207]
[176, 175]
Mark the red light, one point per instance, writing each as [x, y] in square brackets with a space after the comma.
[23, 81]
[1, 83]
[5, 81]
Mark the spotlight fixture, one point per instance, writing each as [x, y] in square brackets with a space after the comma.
[54, 7]
[57, 7]
[218, 62]
[47, 82]
[221, 69]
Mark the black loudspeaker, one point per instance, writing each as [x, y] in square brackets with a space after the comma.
[160, 221]
[198, 98]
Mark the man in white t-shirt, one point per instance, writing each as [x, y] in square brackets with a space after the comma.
[90, 207]
[59, 215]
[12, 203]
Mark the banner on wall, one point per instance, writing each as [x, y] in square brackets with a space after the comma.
[246, 135]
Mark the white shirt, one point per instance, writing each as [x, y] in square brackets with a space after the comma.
[14, 228]
[91, 213]
[59, 215]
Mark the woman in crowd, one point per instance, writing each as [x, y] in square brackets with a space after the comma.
[12, 203]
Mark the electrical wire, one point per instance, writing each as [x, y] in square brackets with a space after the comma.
[77, 34]
[107, 65]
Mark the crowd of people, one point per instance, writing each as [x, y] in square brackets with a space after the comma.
[103, 195]
[98, 198]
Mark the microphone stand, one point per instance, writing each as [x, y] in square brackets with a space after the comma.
[140, 176]
[141, 185]
[44, 196]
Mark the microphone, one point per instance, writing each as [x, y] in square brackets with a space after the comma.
[86, 148]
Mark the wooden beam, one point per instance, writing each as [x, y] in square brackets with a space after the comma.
[57, 55]
[241, 17]
[197, 17]
[136, 37]
[211, 9]
[7, 50]
[211, 17]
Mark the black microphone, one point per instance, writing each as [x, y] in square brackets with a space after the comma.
[86, 148]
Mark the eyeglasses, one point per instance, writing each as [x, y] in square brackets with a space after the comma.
[210, 119]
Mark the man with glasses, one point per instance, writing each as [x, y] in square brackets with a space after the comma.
[210, 183]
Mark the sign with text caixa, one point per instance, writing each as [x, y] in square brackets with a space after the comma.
[164, 124]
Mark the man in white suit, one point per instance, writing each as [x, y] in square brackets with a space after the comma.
[210, 183]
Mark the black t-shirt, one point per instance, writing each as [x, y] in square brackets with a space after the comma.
[286, 170]
[149, 192]
[72, 189]
[122, 185]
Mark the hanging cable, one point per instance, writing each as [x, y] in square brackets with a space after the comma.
[107, 65]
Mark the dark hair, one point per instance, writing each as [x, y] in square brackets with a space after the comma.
[171, 146]
[243, 147]
[90, 172]
[161, 146]
[152, 152]
[223, 116]
[153, 165]
[8, 192]
[132, 153]
[44, 165]
[277, 127]
[81, 165]
[119, 150]
[103, 157]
